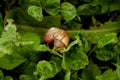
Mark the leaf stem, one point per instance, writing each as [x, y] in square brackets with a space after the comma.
[68, 74]
[42, 78]
[41, 31]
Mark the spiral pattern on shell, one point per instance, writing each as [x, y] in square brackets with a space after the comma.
[55, 35]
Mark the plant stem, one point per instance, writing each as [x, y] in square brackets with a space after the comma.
[42, 78]
[41, 31]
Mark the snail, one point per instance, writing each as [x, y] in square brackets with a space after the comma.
[58, 37]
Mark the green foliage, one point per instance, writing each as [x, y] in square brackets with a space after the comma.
[68, 11]
[87, 9]
[25, 77]
[91, 72]
[75, 58]
[8, 57]
[4, 78]
[107, 46]
[29, 40]
[46, 69]
[52, 7]
[1, 23]
[108, 75]
[107, 38]
[35, 12]
[1, 75]
[93, 50]
[8, 78]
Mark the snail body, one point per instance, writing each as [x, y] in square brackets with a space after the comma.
[58, 37]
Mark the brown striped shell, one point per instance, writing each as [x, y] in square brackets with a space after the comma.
[58, 37]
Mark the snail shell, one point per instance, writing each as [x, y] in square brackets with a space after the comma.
[58, 37]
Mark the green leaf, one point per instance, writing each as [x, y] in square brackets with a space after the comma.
[90, 72]
[67, 75]
[87, 9]
[107, 52]
[45, 48]
[1, 23]
[8, 37]
[52, 7]
[107, 38]
[46, 69]
[68, 11]
[8, 78]
[74, 25]
[107, 75]
[75, 58]
[9, 58]
[57, 61]
[5, 48]
[106, 49]
[42, 2]
[104, 5]
[25, 77]
[10, 31]
[28, 68]
[27, 20]
[41, 47]
[71, 45]
[1, 75]
[11, 61]
[74, 76]
[35, 12]
[27, 3]
[110, 75]
[108, 28]
[29, 40]
[114, 5]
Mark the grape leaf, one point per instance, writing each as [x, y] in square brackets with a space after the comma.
[35, 12]
[68, 11]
